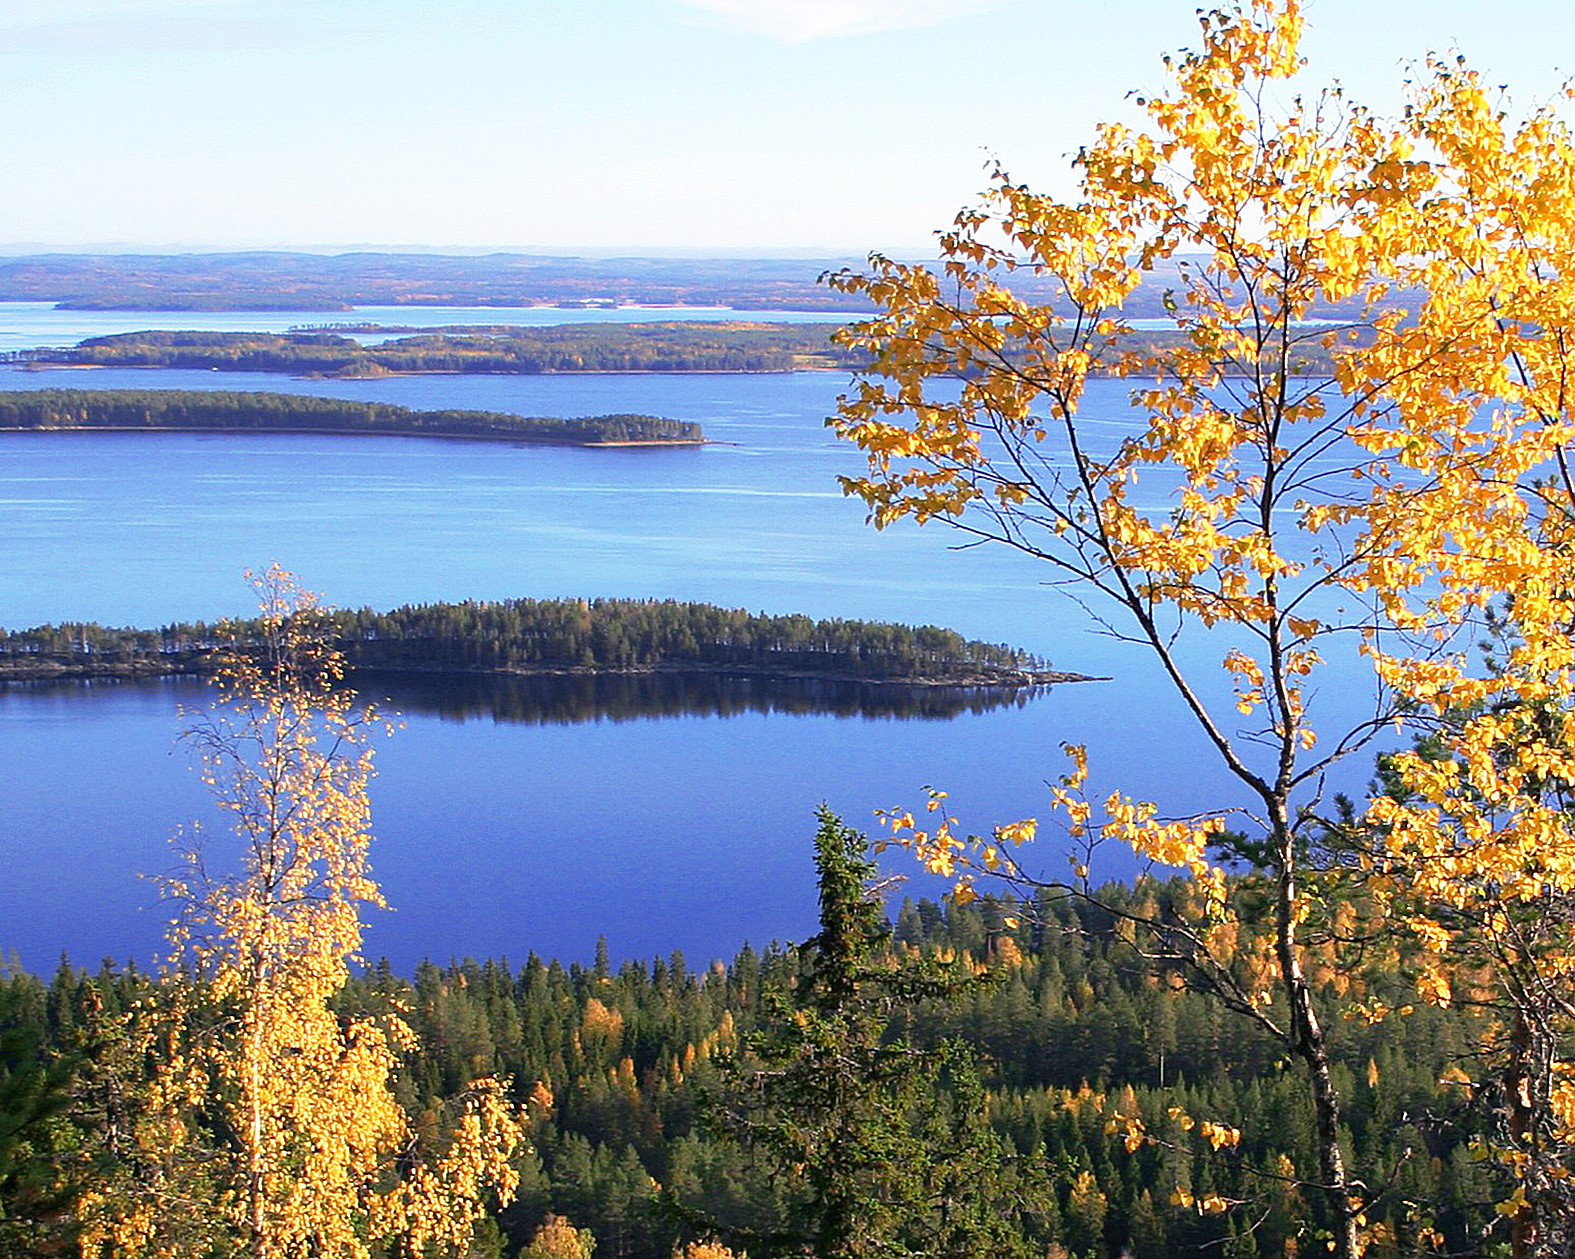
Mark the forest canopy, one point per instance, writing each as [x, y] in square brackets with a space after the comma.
[550, 635]
[615, 1060]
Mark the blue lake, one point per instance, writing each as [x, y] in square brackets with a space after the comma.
[496, 834]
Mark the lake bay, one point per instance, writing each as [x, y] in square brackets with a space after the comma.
[498, 835]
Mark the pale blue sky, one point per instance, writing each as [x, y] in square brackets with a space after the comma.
[821, 125]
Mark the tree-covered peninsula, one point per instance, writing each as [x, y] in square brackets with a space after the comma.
[554, 636]
[203, 410]
[733, 347]
[643, 347]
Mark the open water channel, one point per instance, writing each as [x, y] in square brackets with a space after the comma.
[513, 817]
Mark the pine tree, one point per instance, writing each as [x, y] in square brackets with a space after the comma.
[878, 1161]
[37, 1184]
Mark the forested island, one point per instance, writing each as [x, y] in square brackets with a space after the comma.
[201, 410]
[732, 346]
[637, 347]
[554, 636]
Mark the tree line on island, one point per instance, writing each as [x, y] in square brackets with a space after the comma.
[550, 635]
[734, 347]
[208, 410]
[648, 347]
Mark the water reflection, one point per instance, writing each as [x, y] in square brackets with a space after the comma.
[573, 699]
[515, 813]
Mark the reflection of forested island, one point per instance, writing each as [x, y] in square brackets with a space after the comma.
[200, 410]
[568, 699]
[637, 347]
[567, 636]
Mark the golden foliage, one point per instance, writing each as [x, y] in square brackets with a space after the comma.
[558, 1239]
[1394, 503]
[707, 1250]
[273, 1119]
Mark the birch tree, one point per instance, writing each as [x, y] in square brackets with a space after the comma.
[1292, 492]
[272, 1128]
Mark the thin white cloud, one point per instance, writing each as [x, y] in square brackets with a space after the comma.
[796, 21]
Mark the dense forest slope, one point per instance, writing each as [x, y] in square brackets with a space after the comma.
[616, 1063]
[550, 636]
[208, 410]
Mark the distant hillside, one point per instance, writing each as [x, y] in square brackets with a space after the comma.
[292, 281]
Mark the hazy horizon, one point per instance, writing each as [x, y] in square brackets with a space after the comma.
[21, 249]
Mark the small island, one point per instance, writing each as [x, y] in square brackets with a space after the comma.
[200, 410]
[555, 636]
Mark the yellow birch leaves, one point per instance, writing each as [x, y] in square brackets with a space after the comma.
[282, 1105]
[1376, 492]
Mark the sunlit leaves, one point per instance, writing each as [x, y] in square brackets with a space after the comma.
[1390, 508]
[273, 1121]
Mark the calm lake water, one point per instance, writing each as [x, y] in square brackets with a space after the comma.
[494, 836]
[501, 830]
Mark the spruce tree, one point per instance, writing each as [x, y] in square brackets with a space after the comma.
[882, 1145]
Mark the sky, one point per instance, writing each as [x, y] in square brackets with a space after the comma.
[820, 127]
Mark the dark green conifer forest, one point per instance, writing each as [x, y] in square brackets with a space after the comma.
[204, 410]
[974, 1060]
[525, 635]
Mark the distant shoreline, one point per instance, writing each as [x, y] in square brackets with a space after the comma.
[246, 430]
[398, 375]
